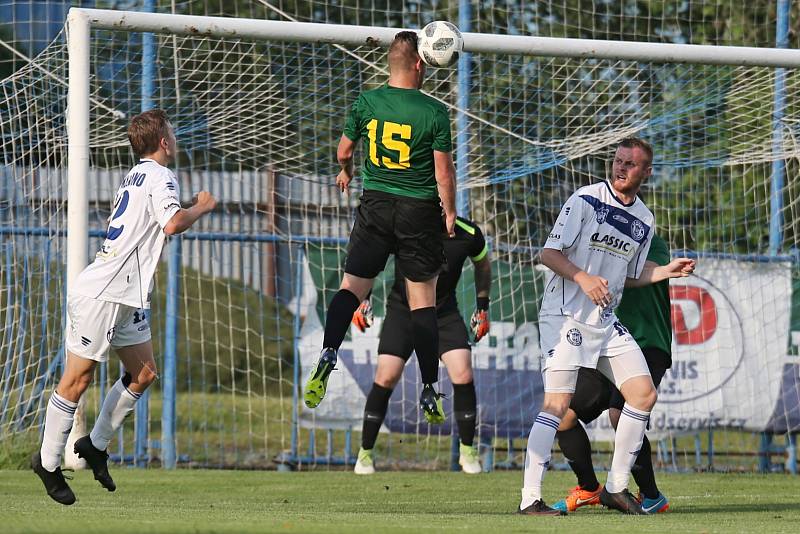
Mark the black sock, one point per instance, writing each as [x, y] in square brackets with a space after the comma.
[340, 313]
[577, 449]
[465, 409]
[426, 343]
[643, 471]
[374, 414]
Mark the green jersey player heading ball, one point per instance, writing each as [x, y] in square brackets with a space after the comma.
[408, 178]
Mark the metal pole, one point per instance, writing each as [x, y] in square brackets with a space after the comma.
[779, 110]
[296, 364]
[169, 375]
[147, 91]
[462, 121]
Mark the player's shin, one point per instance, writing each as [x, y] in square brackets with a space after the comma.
[627, 443]
[57, 426]
[337, 320]
[119, 402]
[537, 457]
[643, 472]
[577, 449]
[374, 414]
[426, 343]
[465, 408]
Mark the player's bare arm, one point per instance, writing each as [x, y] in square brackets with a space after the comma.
[446, 183]
[595, 287]
[483, 282]
[344, 155]
[483, 277]
[204, 202]
[653, 273]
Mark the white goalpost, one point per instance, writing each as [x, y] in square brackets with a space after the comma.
[258, 104]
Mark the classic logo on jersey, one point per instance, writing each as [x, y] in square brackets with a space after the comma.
[574, 337]
[610, 241]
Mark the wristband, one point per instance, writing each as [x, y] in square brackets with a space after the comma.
[483, 303]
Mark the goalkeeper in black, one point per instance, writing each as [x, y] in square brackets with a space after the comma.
[409, 178]
[394, 347]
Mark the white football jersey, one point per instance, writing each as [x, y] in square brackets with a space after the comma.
[124, 267]
[603, 237]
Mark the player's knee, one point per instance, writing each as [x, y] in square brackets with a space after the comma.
[650, 398]
[461, 376]
[557, 406]
[386, 380]
[72, 386]
[359, 287]
[568, 421]
[643, 399]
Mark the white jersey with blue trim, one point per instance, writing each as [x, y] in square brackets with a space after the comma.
[123, 268]
[603, 237]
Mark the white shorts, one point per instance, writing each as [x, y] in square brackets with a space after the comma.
[568, 345]
[94, 326]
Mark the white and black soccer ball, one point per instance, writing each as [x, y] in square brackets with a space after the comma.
[440, 43]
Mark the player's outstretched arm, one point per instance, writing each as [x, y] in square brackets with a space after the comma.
[653, 273]
[479, 322]
[344, 155]
[204, 202]
[446, 183]
[594, 287]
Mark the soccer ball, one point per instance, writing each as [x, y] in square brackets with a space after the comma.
[440, 43]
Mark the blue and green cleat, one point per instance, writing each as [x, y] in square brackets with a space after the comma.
[431, 403]
[654, 506]
[318, 380]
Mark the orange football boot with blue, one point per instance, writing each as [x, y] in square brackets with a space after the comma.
[579, 497]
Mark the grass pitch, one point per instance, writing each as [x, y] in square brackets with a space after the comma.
[267, 501]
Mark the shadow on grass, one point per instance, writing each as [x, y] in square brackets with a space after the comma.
[734, 508]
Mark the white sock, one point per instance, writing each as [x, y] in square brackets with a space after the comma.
[627, 442]
[537, 457]
[57, 426]
[119, 402]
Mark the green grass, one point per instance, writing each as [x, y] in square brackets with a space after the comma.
[268, 501]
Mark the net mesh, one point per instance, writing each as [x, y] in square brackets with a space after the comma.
[258, 123]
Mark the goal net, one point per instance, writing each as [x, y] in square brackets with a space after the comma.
[257, 124]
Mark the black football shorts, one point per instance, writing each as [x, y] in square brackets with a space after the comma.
[412, 229]
[397, 337]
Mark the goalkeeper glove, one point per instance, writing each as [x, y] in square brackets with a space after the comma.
[363, 316]
[480, 319]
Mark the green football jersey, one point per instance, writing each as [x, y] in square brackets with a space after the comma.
[645, 311]
[401, 128]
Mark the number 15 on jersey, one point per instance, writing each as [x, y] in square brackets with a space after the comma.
[393, 138]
